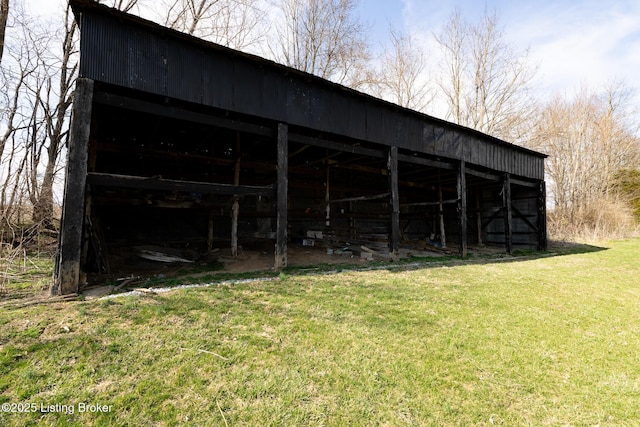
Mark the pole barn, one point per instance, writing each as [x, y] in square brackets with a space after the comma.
[182, 143]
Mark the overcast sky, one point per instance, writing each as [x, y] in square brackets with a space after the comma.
[574, 42]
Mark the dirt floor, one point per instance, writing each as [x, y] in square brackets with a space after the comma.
[130, 265]
[130, 262]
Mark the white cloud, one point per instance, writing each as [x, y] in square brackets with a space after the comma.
[584, 43]
[574, 43]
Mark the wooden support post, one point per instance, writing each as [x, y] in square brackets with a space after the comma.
[542, 217]
[434, 224]
[479, 218]
[394, 241]
[235, 208]
[327, 199]
[282, 205]
[508, 214]
[210, 231]
[86, 234]
[462, 209]
[443, 237]
[71, 227]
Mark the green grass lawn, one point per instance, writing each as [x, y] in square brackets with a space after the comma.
[543, 340]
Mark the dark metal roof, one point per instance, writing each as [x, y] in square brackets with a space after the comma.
[128, 51]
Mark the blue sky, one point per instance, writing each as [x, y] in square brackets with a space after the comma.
[574, 42]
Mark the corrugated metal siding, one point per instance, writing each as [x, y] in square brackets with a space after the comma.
[116, 53]
[184, 72]
[123, 53]
[217, 88]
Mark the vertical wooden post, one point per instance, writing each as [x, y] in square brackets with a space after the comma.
[392, 166]
[443, 237]
[86, 235]
[542, 216]
[327, 205]
[210, 231]
[462, 209]
[479, 218]
[235, 208]
[72, 222]
[282, 205]
[508, 214]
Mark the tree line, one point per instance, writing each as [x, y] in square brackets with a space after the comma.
[471, 76]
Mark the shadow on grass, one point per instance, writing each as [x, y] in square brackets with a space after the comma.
[555, 250]
[412, 263]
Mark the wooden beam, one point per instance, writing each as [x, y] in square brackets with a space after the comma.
[323, 160]
[492, 177]
[338, 146]
[68, 268]
[161, 184]
[281, 196]
[493, 216]
[381, 171]
[172, 155]
[176, 112]
[298, 151]
[508, 215]
[394, 241]
[483, 175]
[542, 216]
[438, 203]
[361, 198]
[462, 209]
[425, 162]
[522, 183]
[524, 218]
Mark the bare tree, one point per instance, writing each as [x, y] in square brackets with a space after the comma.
[485, 81]
[589, 142]
[322, 37]
[123, 5]
[55, 97]
[401, 77]
[452, 42]
[18, 110]
[233, 23]
[39, 79]
[4, 15]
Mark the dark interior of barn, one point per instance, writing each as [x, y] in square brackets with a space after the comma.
[146, 170]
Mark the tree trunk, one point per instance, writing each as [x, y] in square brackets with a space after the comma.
[43, 207]
[4, 14]
[56, 124]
